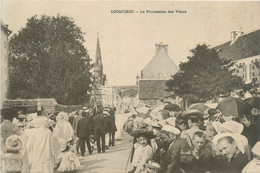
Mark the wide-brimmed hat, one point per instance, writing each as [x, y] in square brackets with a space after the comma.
[13, 143]
[256, 149]
[147, 134]
[152, 123]
[192, 112]
[171, 129]
[155, 124]
[171, 121]
[148, 121]
[153, 165]
[64, 145]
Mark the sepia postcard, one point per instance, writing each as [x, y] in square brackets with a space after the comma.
[62, 56]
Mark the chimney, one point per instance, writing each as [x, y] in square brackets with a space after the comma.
[161, 47]
[235, 35]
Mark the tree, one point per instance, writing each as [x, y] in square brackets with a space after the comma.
[205, 76]
[251, 88]
[48, 60]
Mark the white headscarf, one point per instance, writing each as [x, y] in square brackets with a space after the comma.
[240, 140]
[62, 116]
[233, 126]
[256, 149]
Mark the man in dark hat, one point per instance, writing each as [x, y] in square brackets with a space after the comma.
[75, 126]
[98, 128]
[178, 154]
[108, 126]
[193, 118]
[83, 132]
[113, 127]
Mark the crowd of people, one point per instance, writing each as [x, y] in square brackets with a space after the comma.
[53, 142]
[165, 139]
[195, 141]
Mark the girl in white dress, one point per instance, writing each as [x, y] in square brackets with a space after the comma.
[143, 151]
[68, 161]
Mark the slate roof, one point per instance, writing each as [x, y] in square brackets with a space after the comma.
[161, 63]
[245, 46]
[153, 89]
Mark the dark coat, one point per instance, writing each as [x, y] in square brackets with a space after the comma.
[84, 127]
[98, 124]
[181, 156]
[235, 165]
[113, 127]
[108, 124]
[205, 161]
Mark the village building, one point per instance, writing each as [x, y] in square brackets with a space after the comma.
[151, 83]
[244, 50]
[5, 32]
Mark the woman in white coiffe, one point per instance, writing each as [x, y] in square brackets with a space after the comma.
[39, 147]
[63, 130]
[254, 165]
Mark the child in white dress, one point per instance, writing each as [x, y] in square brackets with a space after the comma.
[68, 160]
[12, 159]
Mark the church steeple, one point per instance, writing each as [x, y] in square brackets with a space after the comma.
[99, 76]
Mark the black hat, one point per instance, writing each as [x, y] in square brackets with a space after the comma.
[146, 134]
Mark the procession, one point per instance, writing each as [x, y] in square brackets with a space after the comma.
[165, 139]
[167, 87]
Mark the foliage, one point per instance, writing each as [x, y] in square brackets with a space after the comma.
[205, 76]
[252, 88]
[48, 60]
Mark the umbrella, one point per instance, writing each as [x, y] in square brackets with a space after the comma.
[172, 107]
[235, 107]
[254, 102]
[199, 106]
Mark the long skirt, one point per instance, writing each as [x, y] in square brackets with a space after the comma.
[43, 167]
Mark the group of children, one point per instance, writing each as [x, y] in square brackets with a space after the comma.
[66, 161]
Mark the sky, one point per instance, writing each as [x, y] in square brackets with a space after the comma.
[127, 40]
